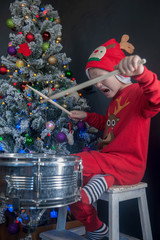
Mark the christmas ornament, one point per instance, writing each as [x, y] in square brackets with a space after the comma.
[46, 36]
[81, 125]
[9, 44]
[86, 149]
[50, 125]
[57, 86]
[68, 73]
[59, 39]
[19, 63]
[13, 228]
[58, 20]
[30, 37]
[61, 137]
[45, 46]
[26, 17]
[29, 140]
[65, 105]
[24, 49]
[10, 23]
[52, 60]
[3, 70]
[70, 138]
[11, 50]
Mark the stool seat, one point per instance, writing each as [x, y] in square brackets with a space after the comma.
[117, 194]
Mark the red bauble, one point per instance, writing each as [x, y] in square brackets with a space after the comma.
[30, 37]
[3, 70]
[46, 36]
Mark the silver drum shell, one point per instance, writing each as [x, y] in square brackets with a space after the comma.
[35, 181]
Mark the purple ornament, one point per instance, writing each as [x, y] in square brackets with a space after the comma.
[86, 149]
[13, 228]
[11, 50]
[61, 137]
[81, 125]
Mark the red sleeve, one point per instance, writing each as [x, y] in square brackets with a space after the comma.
[150, 86]
[96, 120]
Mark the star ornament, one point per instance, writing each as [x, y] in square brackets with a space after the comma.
[24, 49]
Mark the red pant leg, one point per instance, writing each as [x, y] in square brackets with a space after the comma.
[86, 214]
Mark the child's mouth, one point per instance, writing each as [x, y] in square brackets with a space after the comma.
[106, 90]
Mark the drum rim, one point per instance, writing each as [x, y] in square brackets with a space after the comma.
[38, 156]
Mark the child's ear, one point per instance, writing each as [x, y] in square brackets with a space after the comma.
[125, 45]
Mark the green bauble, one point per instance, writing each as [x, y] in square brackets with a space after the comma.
[10, 23]
[68, 73]
[29, 141]
[45, 46]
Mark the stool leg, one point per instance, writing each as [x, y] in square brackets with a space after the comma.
[61, 220]
[144, 216]
[113, 206]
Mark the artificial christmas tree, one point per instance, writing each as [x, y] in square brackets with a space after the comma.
[28, 124]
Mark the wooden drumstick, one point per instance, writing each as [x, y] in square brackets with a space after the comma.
[49, 100]
[88, 83]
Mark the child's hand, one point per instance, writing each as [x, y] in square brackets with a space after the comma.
[128, 66]
[77, 115]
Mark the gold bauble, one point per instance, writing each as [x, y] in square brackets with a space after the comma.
[19, 63]
[56, 86]
[58, 20]
[65, 105]
[26, 17]
[52, 60]
[59, 39]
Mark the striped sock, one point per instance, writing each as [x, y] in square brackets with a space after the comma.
[98, 234]
[95, 188]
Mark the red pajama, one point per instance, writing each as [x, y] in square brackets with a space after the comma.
[123, 151]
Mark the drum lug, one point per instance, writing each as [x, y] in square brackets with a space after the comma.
[37, 182]
[80, 176]
[8, 188]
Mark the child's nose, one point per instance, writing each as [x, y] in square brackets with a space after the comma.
[98, 85]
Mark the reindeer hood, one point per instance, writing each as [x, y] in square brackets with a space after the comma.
[108, 55]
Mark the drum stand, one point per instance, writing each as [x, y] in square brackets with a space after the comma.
[32, 224]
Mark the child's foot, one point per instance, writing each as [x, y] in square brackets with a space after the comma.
[98, 234]
[95, 188]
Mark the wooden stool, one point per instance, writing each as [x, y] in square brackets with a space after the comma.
[118, 194]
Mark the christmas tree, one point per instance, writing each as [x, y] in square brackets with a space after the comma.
[28, 124]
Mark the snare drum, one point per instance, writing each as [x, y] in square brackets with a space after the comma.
[36, 181]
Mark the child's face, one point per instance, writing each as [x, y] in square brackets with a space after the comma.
[109, 86]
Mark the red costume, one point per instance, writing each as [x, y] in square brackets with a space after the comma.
[123, 151]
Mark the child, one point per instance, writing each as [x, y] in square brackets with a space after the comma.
[122, 155]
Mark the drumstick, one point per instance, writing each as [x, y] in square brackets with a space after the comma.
[88, 83]
[49, 100]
